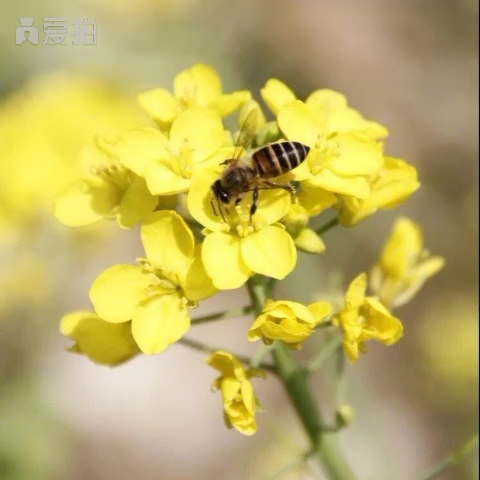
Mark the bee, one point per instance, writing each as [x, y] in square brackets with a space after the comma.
[244, 175]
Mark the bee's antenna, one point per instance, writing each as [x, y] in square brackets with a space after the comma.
[213, 208]
[221, 212]
[212, 203]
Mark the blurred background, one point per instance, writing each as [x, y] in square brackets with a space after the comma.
[410, 65]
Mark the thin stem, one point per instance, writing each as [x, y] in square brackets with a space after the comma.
[325, 228]
[202, 347]
[324, 354]
[235, 312]
[295, 380]
[258, 357]
[341, 377]
[453, 459]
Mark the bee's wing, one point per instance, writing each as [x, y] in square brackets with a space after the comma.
[246, 135]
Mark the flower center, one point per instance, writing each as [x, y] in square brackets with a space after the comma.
[181, 160]
[328, 149]
[115, 174]
[164, 281]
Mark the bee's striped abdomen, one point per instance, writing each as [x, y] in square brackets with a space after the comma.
[277, 158]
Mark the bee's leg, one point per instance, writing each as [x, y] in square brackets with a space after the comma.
[238, 200]
[254, 206]
[226, 162]
[285, 186]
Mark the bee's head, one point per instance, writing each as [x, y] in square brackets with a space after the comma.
[220, 192]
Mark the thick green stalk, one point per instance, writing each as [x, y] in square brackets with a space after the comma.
[295, 380]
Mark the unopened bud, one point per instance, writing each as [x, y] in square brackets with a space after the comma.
[344, 415]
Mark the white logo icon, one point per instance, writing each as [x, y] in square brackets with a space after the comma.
[26, 26]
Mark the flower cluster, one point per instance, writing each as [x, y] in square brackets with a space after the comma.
[161, 176]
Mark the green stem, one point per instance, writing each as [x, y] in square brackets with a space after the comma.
[295, 380]
[453, 459]
[325, 228]
[258, 357]
[324, 354]
[236, 312]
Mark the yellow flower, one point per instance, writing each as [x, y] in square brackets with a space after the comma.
[341, 161]
[404, 265]
[102, 342]
[43, 127]
[290, 322]
[365, 318]
[330, 107]
[395, 183]
[235, 250]
[239, 401]
[169, 163]
[109, 190]
[199, 86]
[155, 295]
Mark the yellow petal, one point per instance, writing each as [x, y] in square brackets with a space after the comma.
[326, 101]
[222, 361]
[230, 387]
[298, 122]
[248, 396]
[330, 181]
[308, 241]
[292, 310]
[276, 95]
[354, 154]
[159, 323]
[102, 342]
[287, 331]
[201, 129]
[273, 205]
[197, 284]
[160, 104]
[162, 180]
[355, 295]
[117, 291]
[315, 199]
[85, 201]
[137, 202]
[255, 331]
[421, 273]
[227, 103]
[168, 241]
[395, 183]
[387, 328]
[269, 251]
[402, 248]
[320, 310]
[223, 262]
[350, 120]
[139, 148]
[197, 86]
[351, 350]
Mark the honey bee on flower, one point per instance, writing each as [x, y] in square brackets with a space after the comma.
[258, 173]
[241, 205]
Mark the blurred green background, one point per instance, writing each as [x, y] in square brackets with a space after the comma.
[411, 65]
